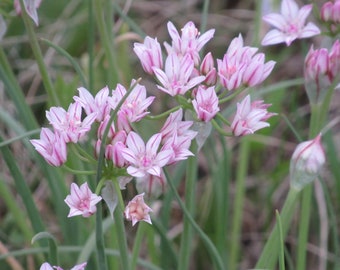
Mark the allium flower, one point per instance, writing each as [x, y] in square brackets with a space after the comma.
[31, 7]
[82, 201]
[241, 65]
[257, 71]
[232, 67]
[334, 61]
[290, 24]
[135, 106]
[174, 125]
[113, 151]
[330, 12]
[145, 159]
[316, 64]
[68, 123]
[322, 68]
[307, 161]
[190, 42]
[149, 54]
[206, 103]
[176, 78]
[98, 104]
[137, 210]
[250, 117]
[51, 147]
[179, 146]
[208, 69]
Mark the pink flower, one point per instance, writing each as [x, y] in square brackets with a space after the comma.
[306, 163]
[179, 145]
[176, 78]
[250, 117]
[31, 7]
[334, 60]
[241, 65]
[98, 104]
[51, 147]
[321, 69]
[309, 156]
[330, 12]
[135, 106]
[257, 71]
[290, 24]
[316, 64]
[145, 159]
[68, 123]
[149, 54]
[190, 42]
[327, 11]
[113, 151]
[137, 210]
[232, 67]
[175, 125]
[206, 103]
[207, 69]
[82, 201]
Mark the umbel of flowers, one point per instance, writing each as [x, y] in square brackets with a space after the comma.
[197, 85]
[184, 73]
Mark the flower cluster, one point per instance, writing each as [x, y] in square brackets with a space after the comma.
[290, 24]
[242, 66]
[185, 72]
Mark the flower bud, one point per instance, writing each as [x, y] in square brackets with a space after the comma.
[306, 163]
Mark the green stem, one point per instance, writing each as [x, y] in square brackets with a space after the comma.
[304, 226]
[78, 172]
[102, 263]
[107, 41]
[72, 61]
[270, 252]
[90, 44]
[38, 56]
[282, 246]
[22, 189]
[164, 114]
[242, 169]
[209, 245]
[318, 117]
[219, 129]
[137, 244]
[120, 229]
[230, 96]
[18, 215]
[187, 235]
